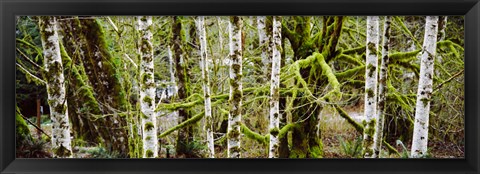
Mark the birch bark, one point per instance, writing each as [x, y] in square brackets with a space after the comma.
[424, 92]
[206, 85]
[236, 95]
[275, 88]
[371, 85]
[377, 139]
[147, 89]
[61, 140]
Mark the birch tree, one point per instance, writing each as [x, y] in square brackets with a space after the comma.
[424, 92]
[378, 135]
[61, 140]
[264, 28]
[275, 88]
[371, 85]
[236, 94]
[173, 85]
[147, 89]
[206, 85]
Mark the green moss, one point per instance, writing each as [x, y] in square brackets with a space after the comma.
[148, 138]
[316, 152]
[274, 131]
[412, 55]
[369, 92]
[149, 126]
[61, 152]
[188, 122]
[285, 130]
[148, 100]
[371, 69]
[144, 116]
[349, 119]
[22, 131]
[252, 135]
[149, 153]
[425, 101]
[233, 134]
[370, 127]
[371, 47]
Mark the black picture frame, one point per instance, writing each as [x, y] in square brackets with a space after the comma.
[11, 8]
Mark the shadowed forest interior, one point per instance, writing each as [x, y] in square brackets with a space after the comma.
[240, 87]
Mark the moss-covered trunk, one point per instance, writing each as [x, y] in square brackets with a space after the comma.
[236, 93]
[147, 88]
[371, 79]
[200, 23]
[180, 61]
[78, 89]
[275, 88]
[306, 137]
[85, 43]
[57, 100]
[382, 89]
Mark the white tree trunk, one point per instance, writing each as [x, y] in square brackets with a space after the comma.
[377, 139]
[147, 89]
[206, 84]
[264, 43]
[172, 88]
[235, 100]
[371, 84]
[424, 92]
[275, 88]
[61, 140]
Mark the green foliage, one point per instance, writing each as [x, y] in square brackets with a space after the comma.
[352, 149]
[405, 153]
[196, 149]
[29, 148]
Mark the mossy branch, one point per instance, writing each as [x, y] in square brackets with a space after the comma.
[450, 45]
[253, 135]
[190, 121]
[343, 114]
[37, 49]
[355, 83]
[31, 61]
[353, 30]
[36, 79]
[359, 70]
[349, 59]
[358, 50]
[390, 148]
[359, 128]
[406, 30]
[332, 79]
[448, 80]
[404, 55]
[265, 139]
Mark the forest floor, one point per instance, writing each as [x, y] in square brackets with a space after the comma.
[340, 139]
